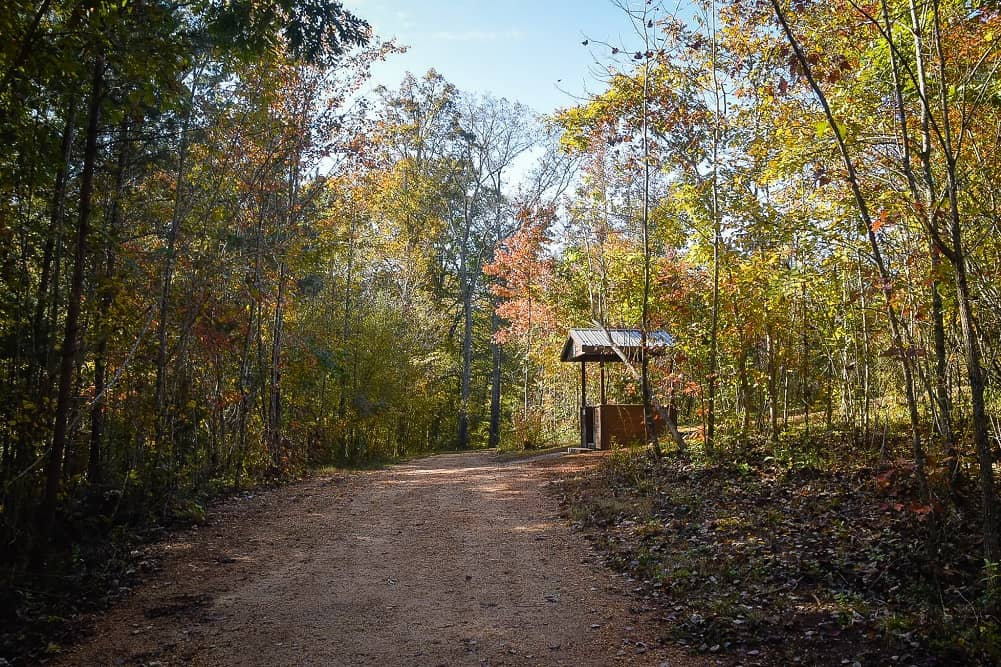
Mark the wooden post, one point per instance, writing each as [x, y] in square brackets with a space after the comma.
[601, 367]
[598, 424]
[583, 405]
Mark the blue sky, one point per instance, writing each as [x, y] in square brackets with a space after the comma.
[519, 49]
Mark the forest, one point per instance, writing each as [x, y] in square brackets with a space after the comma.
[227, 260]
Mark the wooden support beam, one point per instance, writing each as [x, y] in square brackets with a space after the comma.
[583, 405]
[601, 367]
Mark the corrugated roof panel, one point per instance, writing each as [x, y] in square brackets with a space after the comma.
[619, 337]
[601, 344]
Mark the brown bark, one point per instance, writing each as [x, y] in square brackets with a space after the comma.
[107, 294]
[925, 202]
[495, 385]
[964, 297]
[173, 233]
[53, 468]
[40, 327]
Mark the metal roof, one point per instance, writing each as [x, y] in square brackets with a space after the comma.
[601, 344]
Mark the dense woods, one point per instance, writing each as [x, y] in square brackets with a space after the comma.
[225, 261]
[223, 265]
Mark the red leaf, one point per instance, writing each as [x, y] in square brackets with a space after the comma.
[878, 224]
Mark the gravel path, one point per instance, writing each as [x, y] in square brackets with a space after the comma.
[456, 559]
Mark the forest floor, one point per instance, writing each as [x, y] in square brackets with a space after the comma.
[449, 560]
[811, 557]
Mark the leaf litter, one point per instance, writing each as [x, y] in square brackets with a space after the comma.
[757, 562]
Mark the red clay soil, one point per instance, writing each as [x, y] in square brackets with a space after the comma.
[457, 559]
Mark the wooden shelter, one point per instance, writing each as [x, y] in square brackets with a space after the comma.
[605, 423]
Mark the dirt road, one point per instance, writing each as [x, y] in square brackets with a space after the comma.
[457, 559]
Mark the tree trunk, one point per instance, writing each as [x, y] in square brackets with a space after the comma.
[467, 362]
[53, 471]
[940, 397]
[274, 384]
[495, 348]
[173, 232]
[713, 325]
[773, 390]
[885, 277]
[466, 294]
[346, 324]
[864, 362]
[40, 328]
[107, 292]
[975, 371]
[804, 375]
[964, 297]
[941, 387]
[744, 387]
[495, 384]
[651, 432]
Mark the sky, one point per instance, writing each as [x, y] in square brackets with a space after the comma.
[524, 50]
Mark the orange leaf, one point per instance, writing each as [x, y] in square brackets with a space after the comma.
[878, 224]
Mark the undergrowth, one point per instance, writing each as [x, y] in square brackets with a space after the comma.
[796, 552]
